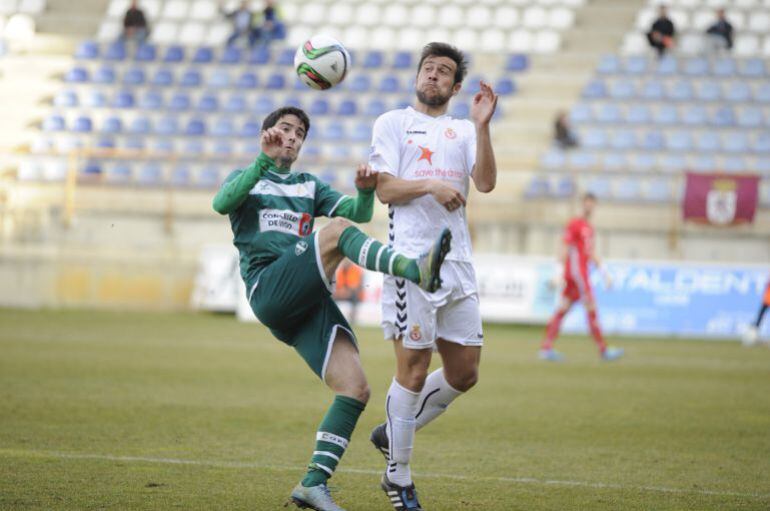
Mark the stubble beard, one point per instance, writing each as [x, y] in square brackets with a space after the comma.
[432, 101]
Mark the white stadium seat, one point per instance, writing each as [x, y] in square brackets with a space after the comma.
[479, 17]
[192, 33]
[701, 20]
[547, 41]
[109, 30]
[746, 45]
[290, 13]
[766, 47]
[451, 16]
[691, 44]
[339, 14]
[492, 40]
[634, 44]
[151, 8]
[467, 39]
[410, 38]
[561, 18]
[535, 17]
[204, 10]
[506, 17]
[356, 37]
[164, 32]
[368, 15]
[382, 38]
[423, 16]
[438, 34]
[175, 10]
[520, 41]
[218, 33]
[117, 8]
[759, 22]
[297, 35]
[313, 11]
[8, 6]
[394, 15]
[32, 7]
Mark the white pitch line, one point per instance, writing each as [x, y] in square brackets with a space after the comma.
[431, 475]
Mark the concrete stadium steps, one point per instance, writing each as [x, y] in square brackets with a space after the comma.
[77, 19]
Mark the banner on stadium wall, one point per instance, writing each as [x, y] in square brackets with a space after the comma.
[646, 298]
[720, 199]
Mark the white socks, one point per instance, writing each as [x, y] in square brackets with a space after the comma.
[436, 395]
[406, 412]
[400, 409]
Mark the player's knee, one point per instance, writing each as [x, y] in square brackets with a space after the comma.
[465, 380]
[359, 391]
[337, 225]
[413, 378]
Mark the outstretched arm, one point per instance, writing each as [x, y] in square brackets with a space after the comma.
[485, 170]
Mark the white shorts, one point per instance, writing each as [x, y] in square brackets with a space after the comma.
[451, 313]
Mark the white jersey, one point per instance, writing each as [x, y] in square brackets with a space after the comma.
[411, 145]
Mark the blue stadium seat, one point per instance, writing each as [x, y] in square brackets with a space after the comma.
[191, 78]
[247, 80]
[609, 113]
[319, 106]
[180, 101]
[82, 124]
[207, 177]
[163, 77]
[666, 115]
[167, 126]
[667, 66]
[87, 50]
[694, 115]
[259, 56]
[752, 68]
[112, 125]
[762, 165]
[219, 78]
[275, 81]
[195, 127]
[251, 146]
[362, 132]
[150, 174]
[105, 75]
[91, 169]
[360, 83]
[174, 54]
[65, 98]
[222, 147]
[123, 99]
[223, 127]
[672, 162]
[652, 140]
[145, 53]
[697, 66]
[133, 76]
[53, 123]
[580, 160]
[402, 60]
[538, 187]
[76, 75]
[459, 110]
[734, 164]
[623, 139]
[151, 100]
[595, 89]
[285, 57]
[749, 117]
[565, 187]
[762, 93]
[251, 128]
[707, 141]
[703, 163]
[294, 101]
[581, 113]
[119, 172]
[389, 83]
[681, 90]
[236, 103]
[622, 89]
[615, 162]
[608, 64]
[635, 65]
[264, 105]
[194, 146]
[335, 130]
[180, 175]
[115, 51]
[737, 92]
[203, 55]
[375, 107]
[638, 113]
[723, 67]
[347, 107]
[473, 84]
[505, 86]
[735, 143]
[105, 143]
[642, 162]
[599, 186]
[373, 59]
[140, 126]
[626, 189]
[554, 159]
[761, 143]
[658, 190]
[679, 141]
[163, 145]
[653, 89]
[208, 102]
[517, 62]
[593, 138]
[94, 98]
[723, 116]
[708, 91]
[230, 55]
[134, 143]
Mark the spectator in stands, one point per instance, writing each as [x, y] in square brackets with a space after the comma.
[242, 19]
[269, 23]
[721, 32]
[134, 24]
[661, 34]
[350, 287]
[562, 132]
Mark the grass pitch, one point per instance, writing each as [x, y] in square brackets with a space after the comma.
[148, 411]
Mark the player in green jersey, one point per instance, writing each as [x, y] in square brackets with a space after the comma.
[288, 270]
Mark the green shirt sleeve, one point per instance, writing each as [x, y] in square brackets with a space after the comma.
[359, 209]
[236, 187]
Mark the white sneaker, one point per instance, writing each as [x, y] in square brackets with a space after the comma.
[314, 497]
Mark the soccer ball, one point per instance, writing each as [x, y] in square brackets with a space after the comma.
[750, 336]
[321, 62]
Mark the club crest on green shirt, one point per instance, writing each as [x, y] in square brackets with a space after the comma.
[300, 247]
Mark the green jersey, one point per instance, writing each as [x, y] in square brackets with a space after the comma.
[271, 208]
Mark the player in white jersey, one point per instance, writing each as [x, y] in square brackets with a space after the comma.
[426, 160]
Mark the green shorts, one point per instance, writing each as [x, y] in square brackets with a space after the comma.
[292, 297]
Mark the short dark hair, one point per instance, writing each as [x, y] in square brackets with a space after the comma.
[445, 50]
[589, 196]
[272, 119]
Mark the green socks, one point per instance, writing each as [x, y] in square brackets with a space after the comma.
[373, 255]
[332, 439]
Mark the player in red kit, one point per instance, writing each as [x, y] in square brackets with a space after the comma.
[577, 255]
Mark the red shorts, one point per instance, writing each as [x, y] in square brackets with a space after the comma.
[577, 286]
[766, 298]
